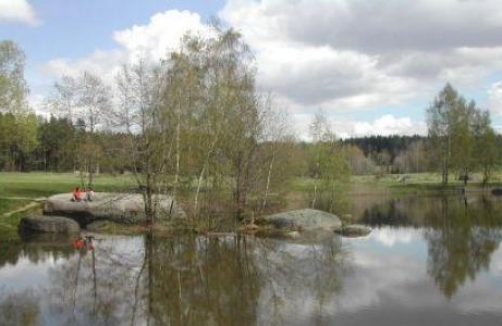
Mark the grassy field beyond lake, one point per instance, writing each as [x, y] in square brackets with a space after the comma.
[19, 189]
[34, 185]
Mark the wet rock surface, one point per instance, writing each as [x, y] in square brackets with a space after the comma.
[124, 208]
[48, 224]
[304, 220]
[354, 231]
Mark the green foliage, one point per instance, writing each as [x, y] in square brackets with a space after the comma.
[328, 166]
[84, 100]
[13, 89]
[457, 131]
[57, 147]
[18, 138]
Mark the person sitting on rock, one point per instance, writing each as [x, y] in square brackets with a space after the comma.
[77, 195]
[89, 194]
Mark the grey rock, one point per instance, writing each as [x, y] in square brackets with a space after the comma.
[304, 220]
[354, 230]
[124, 208]
[48, 224]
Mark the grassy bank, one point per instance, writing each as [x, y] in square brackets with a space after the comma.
[18, 189]
[422, 183]
[34, 185]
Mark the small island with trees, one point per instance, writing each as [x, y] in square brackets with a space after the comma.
[194, 128]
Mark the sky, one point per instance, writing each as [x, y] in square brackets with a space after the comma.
[372, 66]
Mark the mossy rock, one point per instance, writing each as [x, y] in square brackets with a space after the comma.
[126, 208]
[354, 231]
[48, 224]
[304, 220]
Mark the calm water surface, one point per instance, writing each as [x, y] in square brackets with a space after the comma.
[428, 261]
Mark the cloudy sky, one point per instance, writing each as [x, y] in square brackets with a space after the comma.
[373, 66]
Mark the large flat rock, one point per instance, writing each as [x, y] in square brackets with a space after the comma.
[354, 231]
[117, 207]
[305, 220]
[48, 224]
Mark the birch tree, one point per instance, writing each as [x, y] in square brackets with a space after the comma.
[455, 130]
[85, 99]
[328, 166]
[140, 88]
[440, 122]
[13, 87]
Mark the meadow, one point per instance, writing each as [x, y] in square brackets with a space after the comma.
[17, 190]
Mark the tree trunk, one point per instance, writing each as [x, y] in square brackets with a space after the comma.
[267, 188]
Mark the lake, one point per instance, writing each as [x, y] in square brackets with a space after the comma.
[427, 261]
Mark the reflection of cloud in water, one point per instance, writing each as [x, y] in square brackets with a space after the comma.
[373, 281]
[377, 276]
[26, 273]
[479, 296]
[368, 280]
[496, 264]
[390, 236]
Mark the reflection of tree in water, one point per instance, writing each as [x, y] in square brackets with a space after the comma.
[94, 287]
[299, 277]
[396, 212]
[36, 248]
[168, 281]
[22, 308]
[202, 281]
[19, 309]
[461, 240]
[183, 280]
[10, 252]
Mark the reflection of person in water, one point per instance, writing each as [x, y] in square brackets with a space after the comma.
[84, 244]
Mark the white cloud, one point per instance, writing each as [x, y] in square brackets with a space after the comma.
[18, 11]
[393, 236]
[372, 26]
[386, 125]
[161, 35]
[340, 56]
[101, 63]
[495, 98]
[361, 54]
[152, 42]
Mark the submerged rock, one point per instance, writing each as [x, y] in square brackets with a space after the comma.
[354, 230]
[120, 208]
[48, 224]
[304, 220]
[497, 191]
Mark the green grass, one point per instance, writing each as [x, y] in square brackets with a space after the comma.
[34, 185]
[7, 205]
[8, 224]
[397, 184]
[17, 188]
[8, 227]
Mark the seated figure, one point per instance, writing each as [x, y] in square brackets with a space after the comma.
[89, 194]
[77, 195]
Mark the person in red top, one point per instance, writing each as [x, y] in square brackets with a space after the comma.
[77, 194]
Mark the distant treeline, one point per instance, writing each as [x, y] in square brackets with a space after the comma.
[393, 145]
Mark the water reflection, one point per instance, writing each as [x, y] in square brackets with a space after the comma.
[174, 281]
[461, 240]
[461, 232]
[438, 270]
[19, 309]
[301, 281]
[195, 281]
